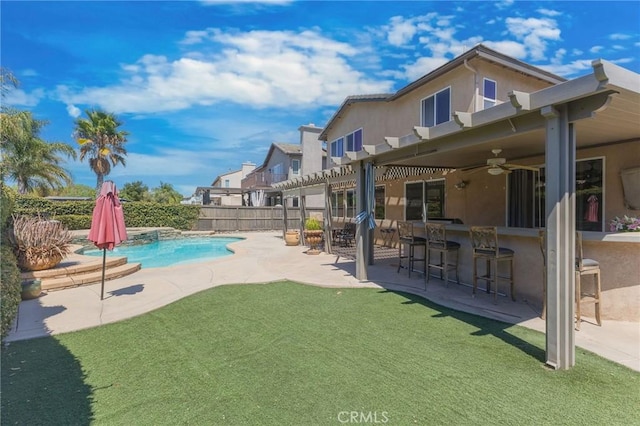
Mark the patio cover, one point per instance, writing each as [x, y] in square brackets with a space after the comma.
[602, 107]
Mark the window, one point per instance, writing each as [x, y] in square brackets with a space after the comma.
[489, 93]
[227, 183]
[295, 202]
[421, 196]
[527, 197]
[354, 141]
[380, 202]
[436, 109]
[337, 204]
[295, 167]
[337, 147]
[351, 203]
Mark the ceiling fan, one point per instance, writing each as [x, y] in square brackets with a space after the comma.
[498, 165]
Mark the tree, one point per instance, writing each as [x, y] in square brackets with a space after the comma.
[101, 142]
[165, 194]
[32, 163]
[77, 190]
[135, 191]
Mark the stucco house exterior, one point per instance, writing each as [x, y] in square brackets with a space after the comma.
[225, 190]
[440, 148]
[286, 161]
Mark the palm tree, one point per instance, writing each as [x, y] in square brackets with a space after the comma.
[101, 142]
[32, 163]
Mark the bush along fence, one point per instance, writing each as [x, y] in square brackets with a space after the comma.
[77, 214]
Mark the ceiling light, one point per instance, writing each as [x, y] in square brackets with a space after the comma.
[495, 171]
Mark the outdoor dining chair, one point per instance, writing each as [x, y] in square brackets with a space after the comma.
[407, 243]
[586, 267]
[484, 240]
[437, 242]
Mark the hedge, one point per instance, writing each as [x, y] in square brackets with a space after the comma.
[77, 214]
[10, 282]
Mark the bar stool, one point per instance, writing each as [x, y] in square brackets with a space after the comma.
[437, 241]
[484, 240]
[586, 267]
[406, 238]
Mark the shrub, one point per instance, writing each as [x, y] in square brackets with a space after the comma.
[9, 273]
[75, 221]
[312, 224]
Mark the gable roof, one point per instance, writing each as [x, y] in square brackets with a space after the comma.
[479, 51]
[286, 148]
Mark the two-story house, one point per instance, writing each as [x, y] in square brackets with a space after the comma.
[487, 139]
[286, 161]
[225, 190]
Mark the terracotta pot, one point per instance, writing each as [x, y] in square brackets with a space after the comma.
[31, 289]
[292, 238]
[313, 239]
[28, 261]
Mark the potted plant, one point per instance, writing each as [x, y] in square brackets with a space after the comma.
[313, 234]
[38, 244]
[292, 237]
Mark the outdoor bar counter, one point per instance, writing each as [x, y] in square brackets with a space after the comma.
[617, 253]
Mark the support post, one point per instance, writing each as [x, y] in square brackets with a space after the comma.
[362, 230]
[560, 224]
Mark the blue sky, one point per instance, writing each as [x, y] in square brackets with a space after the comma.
[203, 86]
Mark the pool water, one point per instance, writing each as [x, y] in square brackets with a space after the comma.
[171, 252]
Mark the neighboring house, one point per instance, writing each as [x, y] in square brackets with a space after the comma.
[441, 149]
[286, 161]
[226, 188]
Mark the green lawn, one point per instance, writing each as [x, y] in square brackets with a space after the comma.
[289, 354]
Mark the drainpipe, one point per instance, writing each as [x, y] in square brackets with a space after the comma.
[476, 94]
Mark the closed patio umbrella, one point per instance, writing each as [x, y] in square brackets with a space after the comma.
[107, 223]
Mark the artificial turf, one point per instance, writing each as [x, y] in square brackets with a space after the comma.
[289, 354]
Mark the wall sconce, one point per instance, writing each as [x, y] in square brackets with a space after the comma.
[461, 185]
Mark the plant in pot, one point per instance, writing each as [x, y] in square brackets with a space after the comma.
[292, 237]
[313, 234]
[37, 243]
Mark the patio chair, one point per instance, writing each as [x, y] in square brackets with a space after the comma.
[484, 240]
[406, 239]
[437, 242]
[586, 267]
[347, 235]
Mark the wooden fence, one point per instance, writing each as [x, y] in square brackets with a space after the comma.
[236, 218]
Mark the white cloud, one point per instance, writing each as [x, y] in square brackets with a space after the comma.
[596, 49]
[619, 36]
[18, 97]
[549, 12]
[535, 34]
[509, 48]
[74, 111]
[400, 31]
[423, 66]
[580, 66]
[256, 68]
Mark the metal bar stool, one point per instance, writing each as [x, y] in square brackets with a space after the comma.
[437, 242]
[484, 240]
[406, 238]
[586, 267]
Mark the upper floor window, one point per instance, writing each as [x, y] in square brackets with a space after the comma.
[436, 109]
[337, 147]
[489, 93]
[295, 167]
[227, 183]
[354, 141]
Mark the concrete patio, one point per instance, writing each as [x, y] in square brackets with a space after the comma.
[263, 257]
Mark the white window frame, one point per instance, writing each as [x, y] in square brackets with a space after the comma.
[295, 167]
[352, 135]
[337, 147]
[425, 123]
[488, 102]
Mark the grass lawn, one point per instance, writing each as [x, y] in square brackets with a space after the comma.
[289, 354]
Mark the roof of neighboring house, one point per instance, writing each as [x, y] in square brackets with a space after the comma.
[286, 148]
[219, 178]
[479, 51]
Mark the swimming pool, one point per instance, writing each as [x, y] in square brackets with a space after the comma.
[172, 252]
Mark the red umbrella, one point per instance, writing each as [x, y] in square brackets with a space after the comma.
[107, 223]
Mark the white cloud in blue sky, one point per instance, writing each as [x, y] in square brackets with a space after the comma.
[204, 86]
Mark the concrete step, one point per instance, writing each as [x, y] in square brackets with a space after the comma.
[90, 277]
[75, 264]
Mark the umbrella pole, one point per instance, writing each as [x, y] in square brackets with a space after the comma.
[104, 263]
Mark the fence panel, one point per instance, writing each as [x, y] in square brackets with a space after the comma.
[236, 218]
